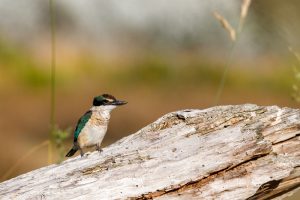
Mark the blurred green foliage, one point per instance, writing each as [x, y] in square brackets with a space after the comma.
[60, 137]
[20, 64]
[296, 84]
[149, 71]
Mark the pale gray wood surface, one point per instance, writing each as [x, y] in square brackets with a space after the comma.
[224, 152]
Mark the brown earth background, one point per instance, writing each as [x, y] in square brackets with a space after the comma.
[144, 64]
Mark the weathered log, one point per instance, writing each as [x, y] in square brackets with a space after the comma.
[224, 152]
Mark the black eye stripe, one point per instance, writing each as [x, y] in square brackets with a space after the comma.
[104, 99]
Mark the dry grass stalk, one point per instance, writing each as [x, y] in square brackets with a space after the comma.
[226, 25]
[296, 85]
[24, 157]
[244, 8]
[295, 53]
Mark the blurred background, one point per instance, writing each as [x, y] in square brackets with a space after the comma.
[159, 55]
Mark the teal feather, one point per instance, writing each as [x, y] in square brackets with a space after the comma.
[81, 123]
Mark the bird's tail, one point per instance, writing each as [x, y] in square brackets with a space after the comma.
[72, 151]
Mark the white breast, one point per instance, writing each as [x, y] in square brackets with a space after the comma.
[91, 135]
[95, 129]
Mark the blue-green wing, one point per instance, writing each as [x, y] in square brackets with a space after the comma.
[81, 123]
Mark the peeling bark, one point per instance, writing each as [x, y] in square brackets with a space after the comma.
[224, 152]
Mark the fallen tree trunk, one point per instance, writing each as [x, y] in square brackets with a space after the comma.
[225, 152]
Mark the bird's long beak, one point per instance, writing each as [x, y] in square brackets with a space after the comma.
[118, 102]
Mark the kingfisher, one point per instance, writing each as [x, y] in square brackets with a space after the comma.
[92, 126]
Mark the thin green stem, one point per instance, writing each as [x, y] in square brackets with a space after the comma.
[53, 77]
[228, 63]
[224, 74]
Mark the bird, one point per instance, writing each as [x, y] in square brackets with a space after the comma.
[92, 126]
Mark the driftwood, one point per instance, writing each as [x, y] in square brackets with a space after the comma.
[224, 152]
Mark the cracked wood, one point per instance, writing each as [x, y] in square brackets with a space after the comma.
[225, 152]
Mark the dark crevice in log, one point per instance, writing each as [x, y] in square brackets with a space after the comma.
[262, 194]
[264, 189]
[225, 152]
[283, 192]
[197, 183]
[288, 139]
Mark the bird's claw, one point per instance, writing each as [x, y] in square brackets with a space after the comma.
[98, 149]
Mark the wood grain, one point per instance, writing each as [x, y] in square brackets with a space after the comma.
[225, 152]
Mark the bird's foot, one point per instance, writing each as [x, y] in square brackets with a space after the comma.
[98, 149]
[81, 153]
[85, 155]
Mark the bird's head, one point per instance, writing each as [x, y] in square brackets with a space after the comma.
[107, 101]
